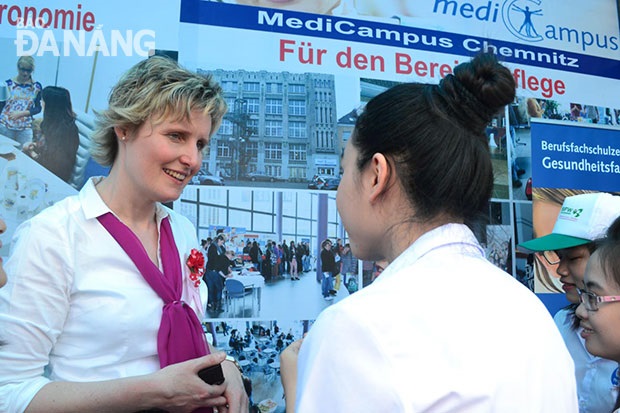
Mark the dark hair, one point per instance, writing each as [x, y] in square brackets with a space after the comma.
[435, 135]
[60, 132]
[608, 253]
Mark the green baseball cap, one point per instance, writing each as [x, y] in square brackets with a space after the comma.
[582, 219]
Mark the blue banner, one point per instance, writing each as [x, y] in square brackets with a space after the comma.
[353, 30]
[575, 156]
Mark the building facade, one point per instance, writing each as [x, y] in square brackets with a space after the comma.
[280, 126]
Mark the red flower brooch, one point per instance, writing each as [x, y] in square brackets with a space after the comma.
[196, 264]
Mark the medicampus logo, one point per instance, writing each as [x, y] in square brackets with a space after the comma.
[531, 21]
[521, 18]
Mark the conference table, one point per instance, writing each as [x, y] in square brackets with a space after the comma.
[253, 280]
[26, 188]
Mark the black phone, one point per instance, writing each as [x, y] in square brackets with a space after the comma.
[212, 374]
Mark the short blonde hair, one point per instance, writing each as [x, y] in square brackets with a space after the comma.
[157, 88]
[26, 62]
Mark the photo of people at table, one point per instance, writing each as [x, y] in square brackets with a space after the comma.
[39, 120]
[257, 345]
[269, 252]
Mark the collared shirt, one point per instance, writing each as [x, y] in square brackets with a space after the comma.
[76, 308]
[441, 330]
[596, 377]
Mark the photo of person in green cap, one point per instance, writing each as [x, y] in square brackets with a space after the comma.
[583, 219]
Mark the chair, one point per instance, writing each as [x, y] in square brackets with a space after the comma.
[236, 290]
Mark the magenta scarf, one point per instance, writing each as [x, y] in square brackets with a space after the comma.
[180, 335]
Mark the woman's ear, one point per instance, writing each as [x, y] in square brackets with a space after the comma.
[121, 133]
[380, 171]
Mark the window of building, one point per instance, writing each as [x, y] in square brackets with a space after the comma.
[251, 87]
[253, 105]
[297, 172]
[229, 85]
[273, 106]
[297, 107]
[346, 135]
[274, 87]
[297, 129]
[230, 102]
[226, 128]
[273, 170]
[273, 151]
[297, 152]
[251, 150]
[223, 149]
[297, 88]
[273, 128]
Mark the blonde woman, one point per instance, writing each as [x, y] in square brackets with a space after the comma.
[103, 312]
[24, 101]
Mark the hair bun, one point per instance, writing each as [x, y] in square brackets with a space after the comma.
[477, 90]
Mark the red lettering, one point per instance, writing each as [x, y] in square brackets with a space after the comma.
[346, 55]
[433, 67]
[283, 49]
[89, 21]
[548, 86]
[403, 63]
[374, 60]
[30, 16]
[12, 20]
[420, 68]
[49, 18]
[445, 70]
[360, 61]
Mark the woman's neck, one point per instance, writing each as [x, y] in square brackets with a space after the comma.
[402, 233]
[22, 82]
[136, 213]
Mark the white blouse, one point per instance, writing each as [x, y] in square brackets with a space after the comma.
[440, 330]
[76, 308]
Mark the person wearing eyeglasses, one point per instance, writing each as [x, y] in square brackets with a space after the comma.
[582, 219]
[546, 206]
[23, 101]
[599, 317]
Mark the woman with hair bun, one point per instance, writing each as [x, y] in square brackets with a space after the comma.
[414, 192]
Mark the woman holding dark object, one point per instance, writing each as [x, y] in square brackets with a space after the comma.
[102, 310]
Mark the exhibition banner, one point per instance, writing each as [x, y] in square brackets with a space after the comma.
[575, 155]
[295, 76]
